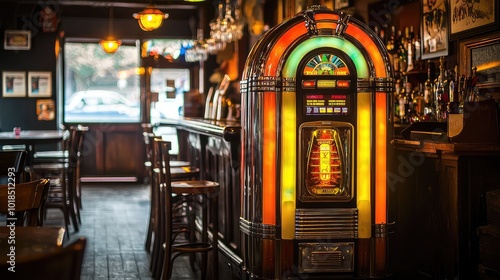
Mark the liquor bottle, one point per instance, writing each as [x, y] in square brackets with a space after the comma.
[403, 101]
[396, 113]
[417, 62]
[411, 49]
[391, 41]
[428, 91]
[440, 94]
[453, 105]
[376, 30]
[418, 102]
[381, 35]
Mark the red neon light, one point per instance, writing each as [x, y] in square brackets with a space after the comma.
[381, 158]
[309, 84]
[343, 84]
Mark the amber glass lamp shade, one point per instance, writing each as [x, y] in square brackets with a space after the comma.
[150, 18]
[110, 45]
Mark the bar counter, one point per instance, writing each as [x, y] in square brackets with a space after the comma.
[213, 146]
[437, 203]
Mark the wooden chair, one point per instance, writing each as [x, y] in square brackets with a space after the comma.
[62, 167]
[201, 196]
[29, 201]
[71, 154]
[64, 264]
[12, 163]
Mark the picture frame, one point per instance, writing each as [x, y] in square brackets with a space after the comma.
[342, 4]
[13, 84]
[17, 40]
[39, 84]
[45, 109]
[484, 54]
[472, 18]
[434, 28]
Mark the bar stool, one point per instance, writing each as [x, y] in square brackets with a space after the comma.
[198, 194]
[180, 170]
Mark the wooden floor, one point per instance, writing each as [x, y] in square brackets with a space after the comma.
[114, 220]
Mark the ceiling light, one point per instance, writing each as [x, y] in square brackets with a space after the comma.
[150, 18]
[110, 45]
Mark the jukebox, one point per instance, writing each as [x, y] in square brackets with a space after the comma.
[316, 92]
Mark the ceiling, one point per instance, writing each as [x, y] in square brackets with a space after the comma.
[177, 9]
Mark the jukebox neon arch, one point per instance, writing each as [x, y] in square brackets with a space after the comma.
[315, 119]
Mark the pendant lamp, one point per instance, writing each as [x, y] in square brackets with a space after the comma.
[150, 18]
[110, 45]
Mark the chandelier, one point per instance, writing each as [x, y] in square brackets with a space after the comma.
[226, 28]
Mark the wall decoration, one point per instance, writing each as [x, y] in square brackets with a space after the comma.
[434, 28]
[483, 54]
[472, 17]
[340, 4]
[17, 40]
[13, 84]
[39, 84]
[45, 109]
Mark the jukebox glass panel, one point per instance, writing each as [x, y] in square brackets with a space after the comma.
[326, 154]
[325, 64]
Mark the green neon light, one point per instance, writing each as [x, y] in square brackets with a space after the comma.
[290, 68]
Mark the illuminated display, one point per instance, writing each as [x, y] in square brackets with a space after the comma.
[326, 104]
[326, 83]
[325, 162]
[326, 64]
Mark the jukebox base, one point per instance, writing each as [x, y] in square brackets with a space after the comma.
[326, 257]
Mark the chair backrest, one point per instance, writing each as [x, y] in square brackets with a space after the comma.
[29, 201]
[12, 164]
[65, 263]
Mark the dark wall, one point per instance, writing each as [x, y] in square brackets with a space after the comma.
[21, 111]
[76, 22]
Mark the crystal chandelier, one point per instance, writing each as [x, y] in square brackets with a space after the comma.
[227, 27]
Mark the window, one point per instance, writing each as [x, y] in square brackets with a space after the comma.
[101, 87]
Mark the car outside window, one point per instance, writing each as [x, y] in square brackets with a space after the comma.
[101, 87]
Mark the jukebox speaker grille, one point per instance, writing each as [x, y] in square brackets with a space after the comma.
[326, 257]
[326, 223]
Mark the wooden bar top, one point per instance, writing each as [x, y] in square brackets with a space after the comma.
[445, 147]
[229, 130]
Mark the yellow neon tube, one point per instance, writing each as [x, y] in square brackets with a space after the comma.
[381, 158]
[363, 156]
[288, 166]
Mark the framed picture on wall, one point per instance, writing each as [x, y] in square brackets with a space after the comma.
[341, 4]
[472, 17]
[17, 40]
[39, 84]
[45, 109]
[434, 28]
[13, 84]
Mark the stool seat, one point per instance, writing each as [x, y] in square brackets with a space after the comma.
[194, 187]
[179, 163]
